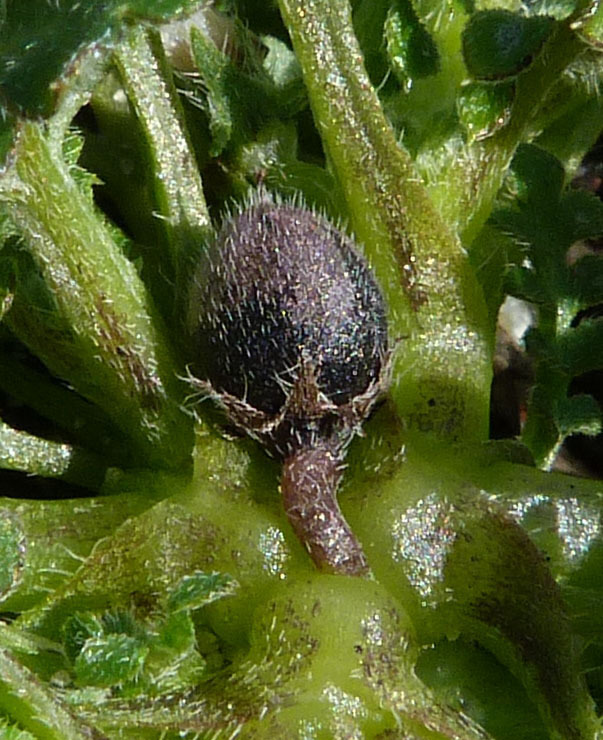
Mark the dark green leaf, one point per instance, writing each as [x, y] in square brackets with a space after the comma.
[369, 20]
[524, 283]
[584, 213]
[8, 125]
[578, 415]
[77, 630]
[587, 280]
[536, 177]
[411, 50]
[582, 347]
[498, 43]
[41, 41]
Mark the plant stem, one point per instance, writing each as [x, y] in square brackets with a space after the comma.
[309, 486]
[22, 451]
[478, 184]
[443, 371]
[175, 179]
[104, 336]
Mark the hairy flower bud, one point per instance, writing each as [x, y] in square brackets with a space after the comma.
[291, 338]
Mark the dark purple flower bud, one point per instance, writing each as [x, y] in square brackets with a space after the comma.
[291, 334]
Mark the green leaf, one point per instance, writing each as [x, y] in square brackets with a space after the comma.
[174, 663]
[578, 415]
[198, 589]
[499, 44]
[122, 621]
[577, 118]
[369, 20]
[585, 213]
[30, 702]
[491, 254]
[45, 542]
[546, 221]
[524, 283]
[110, 660]
[40, 40]
[582, 347]
[77, 630]
[216, 72]
[115, 650]
[484, 108]
[411, 50]
[12, 732]
[535, 177]
[587, 280]
[488, 165]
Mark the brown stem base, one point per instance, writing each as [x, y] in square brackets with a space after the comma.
[309, 487]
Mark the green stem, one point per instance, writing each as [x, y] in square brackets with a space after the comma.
[104, 336]
[176, 183]
[22, 451]
[443, 365]
[478, 183]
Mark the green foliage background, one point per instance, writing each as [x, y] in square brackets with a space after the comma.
[150, 585]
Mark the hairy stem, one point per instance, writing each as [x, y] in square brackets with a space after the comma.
[98, 329]
[176, 184]
[309, 487]
[442, 376]
[36, 456]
